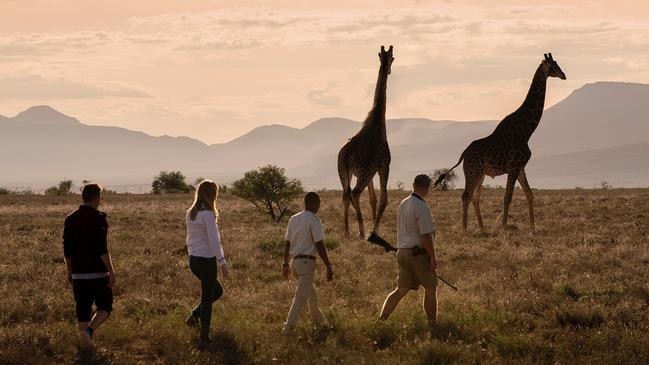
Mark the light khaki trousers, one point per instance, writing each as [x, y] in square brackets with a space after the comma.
[304, 271]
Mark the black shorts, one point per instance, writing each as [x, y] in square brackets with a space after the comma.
[89, 291]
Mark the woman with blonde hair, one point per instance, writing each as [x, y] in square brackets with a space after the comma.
[205, 251]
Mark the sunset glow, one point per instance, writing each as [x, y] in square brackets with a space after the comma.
[213, 70]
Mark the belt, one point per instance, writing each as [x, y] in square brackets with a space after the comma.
[304, 257]
[416, 250]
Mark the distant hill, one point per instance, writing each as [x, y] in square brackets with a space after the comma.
[41, 146]
[599, 132]
[595, 116]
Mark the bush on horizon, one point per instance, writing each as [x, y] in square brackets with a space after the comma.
[169, 182]
[63, 188]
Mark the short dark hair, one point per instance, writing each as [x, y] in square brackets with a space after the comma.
[90, 192]
[422, 181]
[311, 197]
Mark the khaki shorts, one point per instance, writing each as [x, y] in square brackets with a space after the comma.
[414, 270]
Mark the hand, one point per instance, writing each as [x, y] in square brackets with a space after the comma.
[111, 280]
[224, 270]
[433, 264]
[286, 270]
[330, 273]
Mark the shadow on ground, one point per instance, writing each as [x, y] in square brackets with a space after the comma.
[225, 346]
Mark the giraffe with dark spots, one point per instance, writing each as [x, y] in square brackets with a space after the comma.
[506, 150]
[366, 154]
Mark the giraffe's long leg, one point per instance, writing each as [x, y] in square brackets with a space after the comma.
[345, 179]
[475, 199]
[511, 180]
[346, 200]
[522, 179]
[384, 173]
[361, 183]
[471, 180]
[372, 198]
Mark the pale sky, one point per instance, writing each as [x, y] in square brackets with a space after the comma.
[214, 70]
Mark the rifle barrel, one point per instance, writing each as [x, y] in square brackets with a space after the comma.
[447, 283]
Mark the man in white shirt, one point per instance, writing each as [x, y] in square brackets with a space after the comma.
[416, 254]
[304, 237]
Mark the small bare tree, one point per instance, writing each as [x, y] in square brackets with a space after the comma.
[448, 182]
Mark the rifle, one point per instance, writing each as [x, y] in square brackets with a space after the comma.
[378, 240]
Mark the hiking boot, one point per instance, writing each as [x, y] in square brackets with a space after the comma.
[87, 343]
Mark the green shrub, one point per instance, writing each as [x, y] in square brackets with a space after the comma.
[331, 244]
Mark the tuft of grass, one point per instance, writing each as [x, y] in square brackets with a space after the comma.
[331, 243]
[524, 348]
[437, 354]
[382, 333]
[570, 292]
[580, 318]
[273, 246]
[447, 330]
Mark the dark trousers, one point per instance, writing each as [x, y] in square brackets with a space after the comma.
[211, 289]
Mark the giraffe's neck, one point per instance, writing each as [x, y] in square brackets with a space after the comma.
[376, 116]
[532, 107]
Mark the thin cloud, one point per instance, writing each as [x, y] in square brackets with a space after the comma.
[323, 97]
[37, 87]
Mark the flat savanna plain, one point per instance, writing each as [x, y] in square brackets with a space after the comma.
[574, 292]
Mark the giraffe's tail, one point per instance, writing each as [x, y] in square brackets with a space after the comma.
[443, 176]
[344, 178]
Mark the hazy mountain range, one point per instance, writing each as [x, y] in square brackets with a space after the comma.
[599, 132]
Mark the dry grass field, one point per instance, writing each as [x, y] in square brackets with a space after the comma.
[575, 292]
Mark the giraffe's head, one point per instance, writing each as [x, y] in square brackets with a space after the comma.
[386, 58]
[552, 67]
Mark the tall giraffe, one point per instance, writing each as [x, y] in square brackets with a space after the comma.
[367, 153]
[505, 151]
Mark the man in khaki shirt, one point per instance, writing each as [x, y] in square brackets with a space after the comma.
[304, 237]
[416, 254]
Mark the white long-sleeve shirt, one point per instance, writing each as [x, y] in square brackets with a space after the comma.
[203, 237]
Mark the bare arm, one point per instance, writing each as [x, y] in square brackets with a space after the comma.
[322, 252]
[286, 250]
[285, 266]
[427, 243]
